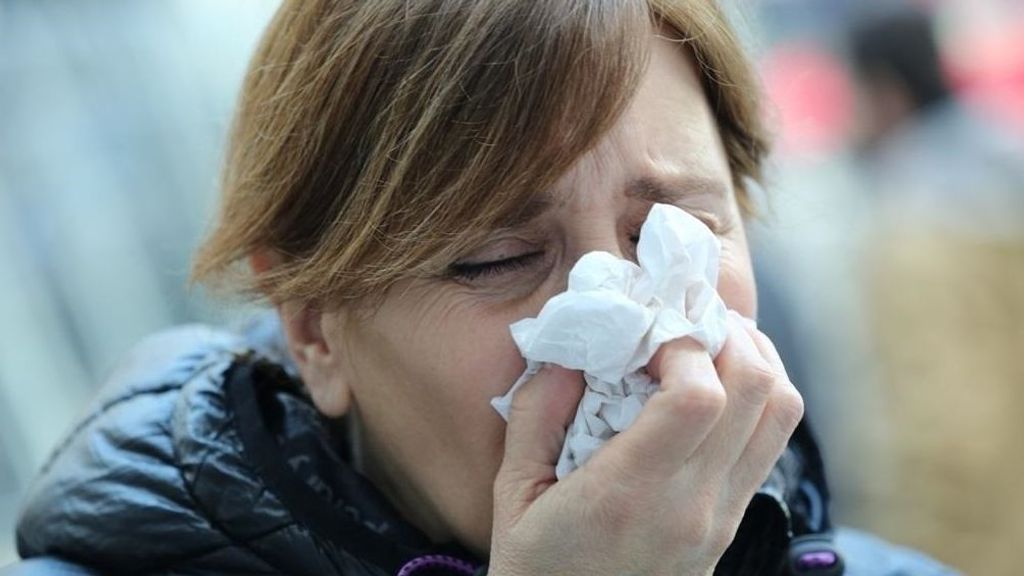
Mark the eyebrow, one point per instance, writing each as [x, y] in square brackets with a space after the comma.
[662, 191]
[651, 189]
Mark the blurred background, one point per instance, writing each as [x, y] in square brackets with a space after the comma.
[889, 246]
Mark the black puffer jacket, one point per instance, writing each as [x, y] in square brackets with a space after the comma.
[203, 456]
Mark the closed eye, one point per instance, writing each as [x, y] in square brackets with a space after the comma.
[469, 271]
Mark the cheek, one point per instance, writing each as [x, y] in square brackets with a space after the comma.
[454, 358]
[736, 278]
[486, 366]
[430, 370]
[472, 359]
[434, 363]
[472, 349]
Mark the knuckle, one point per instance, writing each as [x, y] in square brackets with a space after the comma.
[756, 382]
[708, 399]
[507, 483]
[688, 533]
[789, 407]
[701, 401]
[520, 405]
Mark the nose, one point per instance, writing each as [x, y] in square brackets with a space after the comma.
[585, 232]
[604, 235]
[586, 235]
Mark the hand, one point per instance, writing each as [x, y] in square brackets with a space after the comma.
[664, 497]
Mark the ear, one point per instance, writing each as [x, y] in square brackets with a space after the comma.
[315, 343]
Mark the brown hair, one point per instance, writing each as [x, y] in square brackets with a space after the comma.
[375, 140]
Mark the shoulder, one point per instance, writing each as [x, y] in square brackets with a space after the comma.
[867, 555]
[130, 420]
[127, 487]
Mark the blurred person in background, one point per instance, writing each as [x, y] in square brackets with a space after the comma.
[945, 273]
[926, 156]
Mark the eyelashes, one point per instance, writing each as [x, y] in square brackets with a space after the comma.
[469, 271]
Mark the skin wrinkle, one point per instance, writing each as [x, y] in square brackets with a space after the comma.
[688, 191]
[421, 369]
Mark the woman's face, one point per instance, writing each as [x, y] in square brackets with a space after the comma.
[420, 372]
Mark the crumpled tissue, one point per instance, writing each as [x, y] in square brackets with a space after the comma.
[614, 316]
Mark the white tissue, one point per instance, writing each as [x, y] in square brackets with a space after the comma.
[614, 316]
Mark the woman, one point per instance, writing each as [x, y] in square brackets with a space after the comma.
[406, 179]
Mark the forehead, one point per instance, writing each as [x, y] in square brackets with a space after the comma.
[668, 124]
[663, 148]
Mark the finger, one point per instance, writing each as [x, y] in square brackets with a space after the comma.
[541, 410]
[765, 346]
[676, 419]
[782, 414]
[748, 379]
[780, 418]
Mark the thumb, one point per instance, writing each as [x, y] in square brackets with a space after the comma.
[541, 410]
